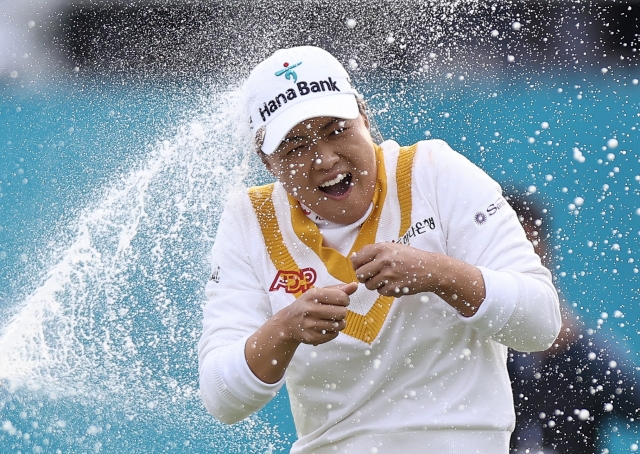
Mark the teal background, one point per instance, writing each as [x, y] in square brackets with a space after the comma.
[60, 142]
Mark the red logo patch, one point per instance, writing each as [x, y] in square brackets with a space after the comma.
[294, 281]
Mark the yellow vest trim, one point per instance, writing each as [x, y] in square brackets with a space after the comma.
[362, 327]
[262, 201]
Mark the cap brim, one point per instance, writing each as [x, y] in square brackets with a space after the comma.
[342, 105]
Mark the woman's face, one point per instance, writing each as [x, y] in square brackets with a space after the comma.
[329, 165]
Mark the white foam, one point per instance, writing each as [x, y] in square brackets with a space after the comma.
[114, 320]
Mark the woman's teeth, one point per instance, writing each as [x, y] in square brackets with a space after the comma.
[336, 180]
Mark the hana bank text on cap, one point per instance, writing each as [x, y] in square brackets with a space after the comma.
[294, 85]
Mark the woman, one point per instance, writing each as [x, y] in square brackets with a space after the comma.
[384, 284]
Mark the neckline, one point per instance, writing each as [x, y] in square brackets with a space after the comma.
[308, 232]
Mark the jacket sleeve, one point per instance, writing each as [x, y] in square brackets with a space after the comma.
[521, 308]
[236, 306]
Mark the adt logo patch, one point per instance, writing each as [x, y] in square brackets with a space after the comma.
[294, 281]
[289, 72]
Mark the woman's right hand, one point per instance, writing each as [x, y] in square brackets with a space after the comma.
[317, 316]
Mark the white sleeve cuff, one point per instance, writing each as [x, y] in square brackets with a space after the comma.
[499, 303]
[241, 381]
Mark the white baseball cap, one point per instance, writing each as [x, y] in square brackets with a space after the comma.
[293, 85]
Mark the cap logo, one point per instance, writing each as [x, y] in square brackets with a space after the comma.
[288, 71]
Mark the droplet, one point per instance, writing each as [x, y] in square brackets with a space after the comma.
[612, 143]
[578, 156]
[516, 26]
[351, 23]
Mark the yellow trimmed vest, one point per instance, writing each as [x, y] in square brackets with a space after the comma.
[366, 317]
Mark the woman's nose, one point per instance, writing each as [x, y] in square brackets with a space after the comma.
[325, 157]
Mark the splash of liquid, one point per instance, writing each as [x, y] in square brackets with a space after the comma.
[113, 323]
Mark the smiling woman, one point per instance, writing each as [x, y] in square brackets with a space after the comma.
[328, 165]
[363, 278]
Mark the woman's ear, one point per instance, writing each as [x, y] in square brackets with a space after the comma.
[267, 162]
[365, 117]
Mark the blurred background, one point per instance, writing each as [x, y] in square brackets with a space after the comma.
[121, 134]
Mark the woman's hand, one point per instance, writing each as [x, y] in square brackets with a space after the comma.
[317, 316]
[394, 269]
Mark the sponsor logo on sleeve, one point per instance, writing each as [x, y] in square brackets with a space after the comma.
[293, 281]
[215, 277]
[482, 217]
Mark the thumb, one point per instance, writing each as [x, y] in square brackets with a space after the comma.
[349, 288]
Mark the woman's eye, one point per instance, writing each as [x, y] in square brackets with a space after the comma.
[341, 127]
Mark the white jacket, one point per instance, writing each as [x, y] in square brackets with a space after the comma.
[430, 380]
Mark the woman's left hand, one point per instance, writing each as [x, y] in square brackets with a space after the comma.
[396, 269]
